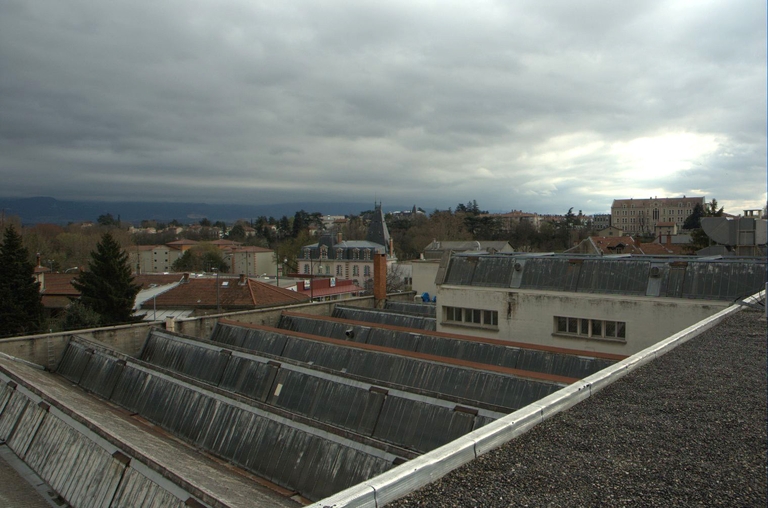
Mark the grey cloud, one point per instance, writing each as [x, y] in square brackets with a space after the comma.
[399, 100]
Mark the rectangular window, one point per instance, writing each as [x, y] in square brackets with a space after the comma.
[473, 316]
[479, 318]
[591, 328]
[452, 314]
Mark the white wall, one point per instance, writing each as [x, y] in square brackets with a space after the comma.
[265, 263]
[423, 273]
[528, 316]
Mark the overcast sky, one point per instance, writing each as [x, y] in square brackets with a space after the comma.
[530, 105]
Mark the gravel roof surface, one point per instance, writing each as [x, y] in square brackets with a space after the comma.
[688, 429]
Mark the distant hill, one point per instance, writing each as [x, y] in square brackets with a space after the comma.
[50, 210]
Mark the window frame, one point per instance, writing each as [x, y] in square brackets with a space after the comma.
[487, 319]
[590, 328]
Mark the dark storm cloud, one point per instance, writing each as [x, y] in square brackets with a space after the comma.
[532, 105]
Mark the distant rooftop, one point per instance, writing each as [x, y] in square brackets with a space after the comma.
[713, 278]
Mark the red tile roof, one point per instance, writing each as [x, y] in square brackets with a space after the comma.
[614, 244]
[201, 293]
[658, 249]
[322, 287]
[59, 284]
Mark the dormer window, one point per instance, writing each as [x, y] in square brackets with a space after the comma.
[306, 253]
[339, 253]
[356, 254]
[367, 254]
[323, 252]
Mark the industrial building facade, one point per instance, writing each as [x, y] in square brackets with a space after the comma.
[610, 304]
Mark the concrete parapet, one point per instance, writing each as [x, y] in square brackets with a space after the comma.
[45, 349]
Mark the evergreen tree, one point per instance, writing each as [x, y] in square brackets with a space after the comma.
[107, 286]
[237, 233]
[699, 238]
[693, 221]
[21, 308]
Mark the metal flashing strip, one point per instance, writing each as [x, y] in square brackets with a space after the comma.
[416, 473]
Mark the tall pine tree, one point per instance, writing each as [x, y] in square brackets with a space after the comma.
[21, 308]
[107, 286]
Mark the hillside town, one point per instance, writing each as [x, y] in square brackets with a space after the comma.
[324, 257]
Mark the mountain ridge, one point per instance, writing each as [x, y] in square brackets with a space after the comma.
[46, 209]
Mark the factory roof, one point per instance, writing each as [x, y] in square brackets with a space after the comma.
[686, 429]
[713, 278]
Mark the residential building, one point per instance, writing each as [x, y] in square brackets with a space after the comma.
[666, 228]
[250, 260]
[610, 231]
[601, 221]
[510, 220]
[640, 216]
[157, 258]
[348, 259]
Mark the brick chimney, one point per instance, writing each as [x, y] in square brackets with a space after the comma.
[241, 282]
[379, 279]
[185, 278]
[338, 237]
